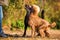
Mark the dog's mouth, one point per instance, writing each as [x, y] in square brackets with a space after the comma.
[28, 7]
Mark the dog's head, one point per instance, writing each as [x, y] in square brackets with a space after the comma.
[35, 8]
[28, 7]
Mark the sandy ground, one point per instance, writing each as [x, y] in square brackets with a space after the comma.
[17, 35]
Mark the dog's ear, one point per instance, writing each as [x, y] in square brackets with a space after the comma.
[31, 9]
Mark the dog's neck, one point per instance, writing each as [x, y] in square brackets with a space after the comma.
[35, 13]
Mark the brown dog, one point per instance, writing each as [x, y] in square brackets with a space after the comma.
[35, 22]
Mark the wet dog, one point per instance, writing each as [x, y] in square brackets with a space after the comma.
[37, 23]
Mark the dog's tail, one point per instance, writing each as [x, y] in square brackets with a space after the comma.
[42, 14]
[53, 25]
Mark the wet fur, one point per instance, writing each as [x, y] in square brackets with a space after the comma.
[34, 21]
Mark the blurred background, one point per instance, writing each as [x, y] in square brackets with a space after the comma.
[15, 12]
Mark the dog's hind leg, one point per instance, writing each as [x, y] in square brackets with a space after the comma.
[47, 32]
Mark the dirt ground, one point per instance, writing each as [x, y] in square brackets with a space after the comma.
[17, 35]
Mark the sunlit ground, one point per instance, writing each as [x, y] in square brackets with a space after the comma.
[17, 35]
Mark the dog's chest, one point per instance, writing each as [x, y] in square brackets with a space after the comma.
[34, 20]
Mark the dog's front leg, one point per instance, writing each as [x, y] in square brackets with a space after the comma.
[41, 31]
[33, 31]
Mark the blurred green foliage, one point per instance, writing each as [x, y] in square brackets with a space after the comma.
[14, 13]
[17, 24]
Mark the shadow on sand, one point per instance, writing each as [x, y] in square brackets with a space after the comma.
[17, 36]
